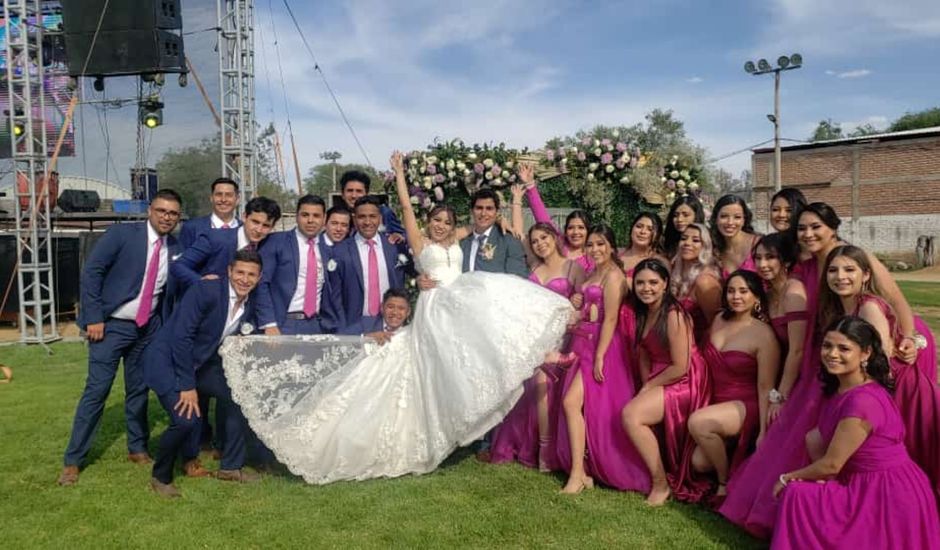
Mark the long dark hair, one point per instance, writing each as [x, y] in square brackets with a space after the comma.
[642, 310]
[756, 285]
[548, 228]
[781, 245]
[796, 200]
[671, 234]
[605, 231]
[657, 229]
[718, 239]
[830, 305]
[824, 212]
[576, 215]
[866, 337]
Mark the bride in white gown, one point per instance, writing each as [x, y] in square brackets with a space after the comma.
[337, 408]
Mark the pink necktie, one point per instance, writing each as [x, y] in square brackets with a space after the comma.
[310, 286]
[150, 283]
[375, 301]
[225, 226]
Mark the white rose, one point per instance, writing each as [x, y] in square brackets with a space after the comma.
[592, 166]
[670, 197]
[466, 171]
[246, 329]
[498, 181]
[597, 143]
[414, 200]
[674, 174]
[461, 165]
[590, 177]
[573, 149]
[488, 163]
[472, 156]
[427, 182]
[693, 186]
[508, 164]
[402, 259]
[450, 164]
[432, 160]
[663, 179]
[616, 133]
[684, 174]
[564, 160]
[331, 265]
[488, 175]
[680, 184]
[609, 168]
[597, 152]
[451, 174]
[625, 179]
[413, 162]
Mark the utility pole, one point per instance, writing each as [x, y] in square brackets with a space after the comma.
[784, 63]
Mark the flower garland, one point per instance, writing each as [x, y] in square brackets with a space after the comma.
[679, 180]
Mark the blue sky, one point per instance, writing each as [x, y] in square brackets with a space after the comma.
[407, 72]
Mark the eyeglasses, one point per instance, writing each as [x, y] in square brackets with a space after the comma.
[164, 213]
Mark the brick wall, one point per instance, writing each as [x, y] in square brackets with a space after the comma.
[898, 187]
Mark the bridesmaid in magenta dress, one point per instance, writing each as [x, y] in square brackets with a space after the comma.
[684, 212]
[863, 490]
[695, 280]
[750, 503]
[743, 359]
[786, 298]
[852, 290]
[733, 234]
[644, 242]
[576, 224]
[590, 443]
[673, 374]
[527, 434]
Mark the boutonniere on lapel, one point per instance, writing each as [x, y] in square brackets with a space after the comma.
[487, 251]
[331, 265]
[402, 261]
[246, 329]
[175, 257]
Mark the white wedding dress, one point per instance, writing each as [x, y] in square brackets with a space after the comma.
[339, 408]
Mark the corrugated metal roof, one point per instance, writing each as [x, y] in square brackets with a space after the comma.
[887, 136]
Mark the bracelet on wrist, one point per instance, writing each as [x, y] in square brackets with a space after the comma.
[775, 397]
[783, 480]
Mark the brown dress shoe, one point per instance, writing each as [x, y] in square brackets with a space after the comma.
[243, 476]
[193, 468]
[140, 458]
[165, 490]
[69, 476]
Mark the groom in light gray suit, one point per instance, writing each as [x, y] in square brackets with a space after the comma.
[488, 248]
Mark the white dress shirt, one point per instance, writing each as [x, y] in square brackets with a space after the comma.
[383, 268]
[242, 239]
[233, 313]
[129, 310]
[297, 301]
[216, 222]
[475, 246]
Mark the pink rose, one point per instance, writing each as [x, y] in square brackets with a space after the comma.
[581, 156]
[607, 158]
[432, 169]
[478, 168]
[438, 194]
[621, 146]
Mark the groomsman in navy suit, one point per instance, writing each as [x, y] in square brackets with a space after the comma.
[224, 197]
[183, 363]
[295, 295]
[396, 308]
[122, 286]
[367, 264]
[354, 185]
[212, 252]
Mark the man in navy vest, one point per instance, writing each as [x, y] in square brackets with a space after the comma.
[367, 264]
[183, 363]
[224, 197]
[295, 295]
[123, 284]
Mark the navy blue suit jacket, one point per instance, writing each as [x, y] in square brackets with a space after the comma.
[195, 227]
[281, 260]
[349, 272]
[390, 220]
[211, 253]
[114, 271]
[190, 337]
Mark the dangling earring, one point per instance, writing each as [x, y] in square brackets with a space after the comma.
[757, 309]
[865, 366]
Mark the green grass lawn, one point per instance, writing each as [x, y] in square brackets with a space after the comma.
[463, 504]
[925, 299]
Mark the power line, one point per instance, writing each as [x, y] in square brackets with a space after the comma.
[316, 67]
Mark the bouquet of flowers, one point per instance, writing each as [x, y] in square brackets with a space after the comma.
[451, 171]
[606, 160]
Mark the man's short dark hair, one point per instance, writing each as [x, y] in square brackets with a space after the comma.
[396, 293]
[168, 195]
[223, 181]
[338, 209]
[246, 255]
[368, 199]
[265, 206]
[311, 199]
[484, 194]
[355, 175]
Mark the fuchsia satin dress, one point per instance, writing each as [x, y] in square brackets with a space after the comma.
[611, 458]
[517, 437]
[680, 399]
[880, 499]
[732, 376]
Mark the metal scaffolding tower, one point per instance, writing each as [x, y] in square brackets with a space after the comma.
[34, 274]
[237, 86]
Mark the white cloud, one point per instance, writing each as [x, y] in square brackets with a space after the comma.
[695, 80]
[855, 73]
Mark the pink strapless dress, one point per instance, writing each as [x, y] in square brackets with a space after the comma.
[750, 502]
[917, 397]
[517, 437]
[732, 376]
[680, 399]
[611, 458]
[880, 499]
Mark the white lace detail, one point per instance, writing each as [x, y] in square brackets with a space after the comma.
[440, 263]
[334, 408]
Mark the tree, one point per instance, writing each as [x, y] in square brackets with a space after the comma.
[864, 130]
[913, 121]
[189, 171]
[724, 182]
[826, 130]
[319, 180]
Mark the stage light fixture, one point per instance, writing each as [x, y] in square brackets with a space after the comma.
[99, 84]
[749, 67]
[150, 113]
[18, 128]
[783, 62]
[763, 65]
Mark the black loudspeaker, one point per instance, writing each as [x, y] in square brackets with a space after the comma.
[134, 37]
[81, 16]
[75, 200]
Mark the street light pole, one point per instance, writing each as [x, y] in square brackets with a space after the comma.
[332, 156]
[784, 63]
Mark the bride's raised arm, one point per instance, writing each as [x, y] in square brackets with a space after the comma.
[415, 237]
